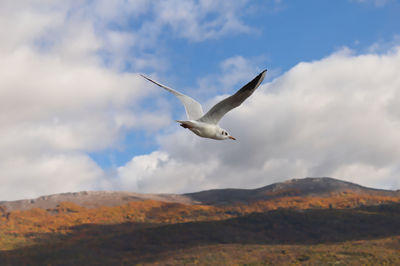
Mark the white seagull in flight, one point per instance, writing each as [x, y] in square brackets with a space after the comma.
[206, 126]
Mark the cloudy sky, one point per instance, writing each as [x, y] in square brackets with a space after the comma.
[75, 115]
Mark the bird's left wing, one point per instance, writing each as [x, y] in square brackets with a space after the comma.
[220, 109]
[193, 108]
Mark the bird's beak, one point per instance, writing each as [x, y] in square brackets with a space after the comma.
[232, 137]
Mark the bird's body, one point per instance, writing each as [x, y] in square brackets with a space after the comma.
[206, 125]
[201, 129]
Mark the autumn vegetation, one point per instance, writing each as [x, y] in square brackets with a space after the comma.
[345, 227]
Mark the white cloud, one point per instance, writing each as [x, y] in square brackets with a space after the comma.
[57, 102]
[235, 71]
[64, 89]
[64, 103]
[154, 173]
[200, 20]
[338, 116]
[382, 46]
[65, 92]
[30, 176]
[193, 20]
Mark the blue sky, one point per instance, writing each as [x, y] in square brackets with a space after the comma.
[281, 34]
[77, 116]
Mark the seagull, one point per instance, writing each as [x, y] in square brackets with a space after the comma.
[206, 125]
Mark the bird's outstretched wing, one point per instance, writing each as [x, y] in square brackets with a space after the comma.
[220, 109]
[193, 109]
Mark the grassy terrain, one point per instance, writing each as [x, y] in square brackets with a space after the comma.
[361, 252]
[315, 231]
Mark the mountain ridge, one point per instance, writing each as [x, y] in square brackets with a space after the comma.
[309, 186]
[80, 229]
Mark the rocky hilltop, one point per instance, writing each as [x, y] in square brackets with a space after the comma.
[317, 186]
[322, 186]
[91, 199]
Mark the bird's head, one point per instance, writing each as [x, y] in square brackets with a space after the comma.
[223, 134]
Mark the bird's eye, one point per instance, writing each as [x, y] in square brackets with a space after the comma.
[226, 133]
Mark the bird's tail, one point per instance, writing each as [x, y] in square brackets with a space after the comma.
[185, 124]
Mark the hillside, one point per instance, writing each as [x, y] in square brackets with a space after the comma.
[315, 187]
[91, 199]
[324, 186]
[279, 223]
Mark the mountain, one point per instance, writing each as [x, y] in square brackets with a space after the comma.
[91, 199]
[279, 224]
[320, 187]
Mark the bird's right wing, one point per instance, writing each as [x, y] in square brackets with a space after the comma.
[193, 109]
[220, 109]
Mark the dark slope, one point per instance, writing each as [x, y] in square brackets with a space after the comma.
[134, 243]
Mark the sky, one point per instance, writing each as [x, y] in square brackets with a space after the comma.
[76, 115]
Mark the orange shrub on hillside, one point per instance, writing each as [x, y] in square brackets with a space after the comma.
[23, 225]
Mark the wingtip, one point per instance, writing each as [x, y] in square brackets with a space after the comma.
[143, 76]
[262, 74]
